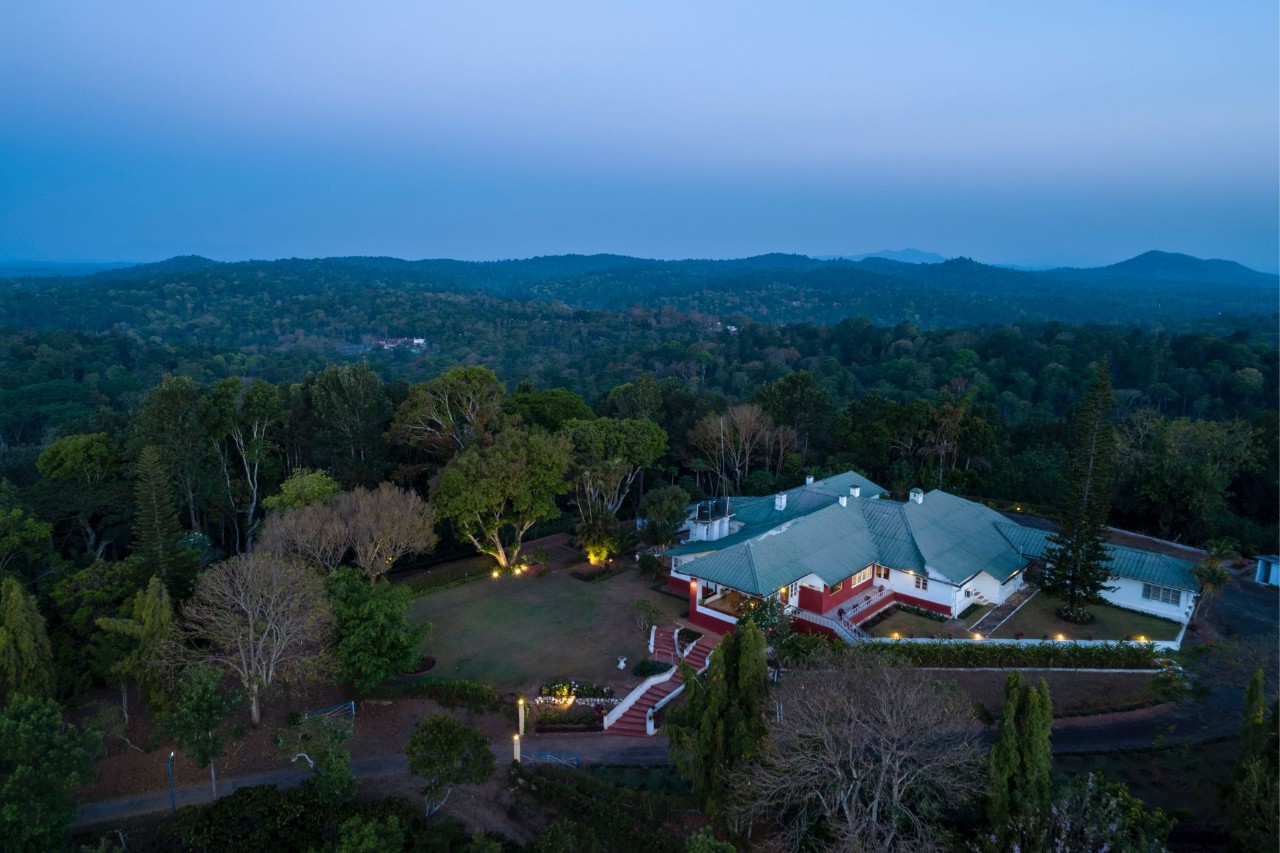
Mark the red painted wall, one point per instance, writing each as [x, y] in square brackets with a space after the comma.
[820, 602]
[800, 626]
[676, 584]
[711, 623]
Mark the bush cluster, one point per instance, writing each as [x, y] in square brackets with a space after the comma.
[449, 692]
[646, 668]
[563, 688]
[438, 580]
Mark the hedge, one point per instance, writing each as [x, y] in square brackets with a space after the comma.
[449, 692]
[437, 580]
[964, 654]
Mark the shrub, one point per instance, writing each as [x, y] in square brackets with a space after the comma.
[1041, 655]
[437, 580]
[449, 692]
[646, 668]
[688, 635]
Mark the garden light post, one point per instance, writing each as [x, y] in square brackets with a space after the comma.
[515, 748]
[520, 705]
[173, 798]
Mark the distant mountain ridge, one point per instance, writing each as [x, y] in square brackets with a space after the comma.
[1157, 288]
[902, 256]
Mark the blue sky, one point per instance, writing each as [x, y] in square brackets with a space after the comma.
[1013, 132]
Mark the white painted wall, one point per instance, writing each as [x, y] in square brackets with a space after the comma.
[1128, 594]
[1268, 572]
[940, 590]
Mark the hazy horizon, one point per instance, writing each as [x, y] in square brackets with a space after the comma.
[1012, 134]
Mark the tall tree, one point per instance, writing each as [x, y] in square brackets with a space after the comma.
[85, 470]
[316, 533]
[664, 512]
[1254, 796]
[457, 410]
[1019, 789]
[445, 753]
[729, 442]
[26, 659]
[172, 418]
[1076, 564]
[23, 539]
[150, 625]
[244, 417]
[721, 723]
[260, 618]
[494, 494]
[155, 519]
[352, 412]
[384, 525]
[374, 637]
[608, 454]
[42, 760]
[198, 715]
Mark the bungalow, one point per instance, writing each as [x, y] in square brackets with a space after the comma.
[835, 552]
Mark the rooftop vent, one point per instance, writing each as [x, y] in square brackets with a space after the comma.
[808, 480]
[844, 500]
[917, 495]
[855, 491]
[780, 501]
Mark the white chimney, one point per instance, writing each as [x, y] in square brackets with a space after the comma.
[808, 480]
[917, 495]
[855, 491]
[780, 501]
[844, 500]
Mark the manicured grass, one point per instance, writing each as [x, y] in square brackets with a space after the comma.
[518, 631]
[1037, 618]
[1183, 780]
[974, 617]
[906, 624]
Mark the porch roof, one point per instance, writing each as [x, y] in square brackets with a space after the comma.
[1126, 562]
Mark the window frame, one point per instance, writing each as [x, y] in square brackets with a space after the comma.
[1162, 594]
[922, 582]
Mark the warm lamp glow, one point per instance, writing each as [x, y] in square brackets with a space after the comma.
[1061, 637]
[496, 573]
[977, 636]
[1141, 639]
[895, 635]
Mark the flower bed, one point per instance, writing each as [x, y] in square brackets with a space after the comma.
[578, 717]
[563, 688]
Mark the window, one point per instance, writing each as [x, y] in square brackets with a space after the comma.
[1162, 594]
[922, 582]
[860, 577]
[882, 573]
[837, 587]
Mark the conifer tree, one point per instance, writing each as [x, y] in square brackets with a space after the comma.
[151, 626]
[155, 523]
[1020, 789]
[722, 722]
[26, 659]
[1076, 563]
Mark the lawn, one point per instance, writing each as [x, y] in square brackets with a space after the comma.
[1036, 618]
[900, 623]
[517, 631]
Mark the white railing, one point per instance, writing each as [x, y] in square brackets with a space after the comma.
[648, 720]
[653, 632]
[848, 633]
[634, 696]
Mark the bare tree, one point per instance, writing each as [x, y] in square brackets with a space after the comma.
[871, 753]
[315, 533]
[729, 441]
[259, 617]
[384, 525]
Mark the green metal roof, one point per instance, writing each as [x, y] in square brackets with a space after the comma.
[951, 536]
[1126, 562]
[757, 515]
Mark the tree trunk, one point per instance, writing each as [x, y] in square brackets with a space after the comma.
[254, 713]
[124, 700]
[213, 778]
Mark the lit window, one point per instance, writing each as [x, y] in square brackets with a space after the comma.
[882, 572]
[922, 582]
[1162, 594]
[837, 587]
[862, 576]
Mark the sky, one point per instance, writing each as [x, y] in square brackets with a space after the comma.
[1048, 133]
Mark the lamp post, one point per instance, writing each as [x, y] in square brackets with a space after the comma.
[520, 705]
[173, 798]
[515, 747]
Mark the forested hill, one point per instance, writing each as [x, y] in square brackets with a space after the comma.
[343, 299]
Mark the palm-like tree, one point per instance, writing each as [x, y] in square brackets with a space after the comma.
[1213, 580]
